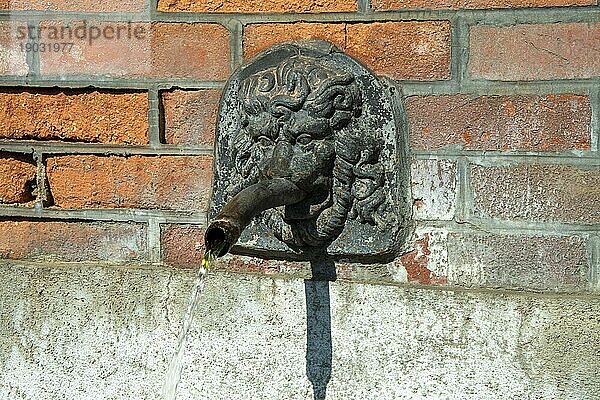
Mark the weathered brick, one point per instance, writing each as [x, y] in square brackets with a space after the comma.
[75, 5]
[478, 259]
[17, 180]
[257, 6]
[426, 261]
[190, 116]
[518, 122]
[387, 5]
[159, 50]
[548, 193]
[433, 184]
[520, 262]
[73, 241]
[535, 52]
[182, 245]
[165, 182]
[13, 58]
[258, 37]
[424, 54]
[403, 50]
[102, 117]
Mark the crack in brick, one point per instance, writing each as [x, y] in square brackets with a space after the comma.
[547, 51]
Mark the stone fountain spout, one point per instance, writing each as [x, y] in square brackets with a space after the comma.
[226, 228]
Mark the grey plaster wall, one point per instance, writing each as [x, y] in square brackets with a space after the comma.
[89, 332]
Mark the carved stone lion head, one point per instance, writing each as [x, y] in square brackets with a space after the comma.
[297, 123]
[306, 112]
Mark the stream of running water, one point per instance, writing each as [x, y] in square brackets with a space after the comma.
[173, 376]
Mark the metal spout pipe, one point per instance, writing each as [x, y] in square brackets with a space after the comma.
[229, 224]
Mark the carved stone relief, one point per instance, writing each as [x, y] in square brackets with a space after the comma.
[306, 112]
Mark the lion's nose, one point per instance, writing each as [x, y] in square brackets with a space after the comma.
[279, 163]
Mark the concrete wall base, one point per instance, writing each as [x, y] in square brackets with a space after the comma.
[89, 332]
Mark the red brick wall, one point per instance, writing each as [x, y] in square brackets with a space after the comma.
[106, 144]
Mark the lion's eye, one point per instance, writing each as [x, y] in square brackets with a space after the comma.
[264, 141]
[304, 139]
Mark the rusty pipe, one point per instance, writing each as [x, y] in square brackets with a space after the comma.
[229, 224]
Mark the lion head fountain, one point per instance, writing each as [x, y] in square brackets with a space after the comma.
[310, 158]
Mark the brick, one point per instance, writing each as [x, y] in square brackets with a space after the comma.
[546, 193]
[258, 37]
[518, 262]
[518, 122]
[73, 241]
[199, 51]
[160, 50]
[72, 115]
[152, 182]
[126, 56]
[17, 180]
[423, 55]
[13, 58]
[182, 245]
[75, 5]
[433, 186]
[190, 116]
[535, 52]
[388, 5]
[403, 50]
[258, 6]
